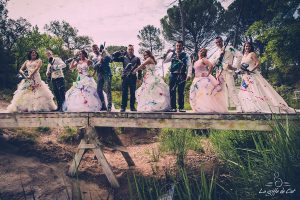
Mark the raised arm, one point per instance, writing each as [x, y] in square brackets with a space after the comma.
[237, 59]
[143, 65]
[190, 68]
[73, 65]
[189, 65]
[117, 57]
[168, 56]
[214, 58]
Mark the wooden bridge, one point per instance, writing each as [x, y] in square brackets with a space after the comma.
[219, 121]
[92, 123]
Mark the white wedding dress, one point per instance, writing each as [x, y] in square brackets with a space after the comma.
[32, 95]
[257, 95]
[82, 96]
[153, 94]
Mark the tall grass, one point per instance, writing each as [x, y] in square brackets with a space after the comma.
[178, 142]
[252, 158]
[183, 186]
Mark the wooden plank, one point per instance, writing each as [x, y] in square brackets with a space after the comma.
[183, 123]
[124, 152]
[92, 136]
[12, 120]
[227, 121]
[77, 159]
[106, 167]
[191, 115]
[106, 132]
[86, 146]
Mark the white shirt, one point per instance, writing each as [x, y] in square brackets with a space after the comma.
[169, 59]
[56, 68]
[96, 58]
[231, 56]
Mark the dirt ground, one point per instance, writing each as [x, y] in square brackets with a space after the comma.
[37, 169]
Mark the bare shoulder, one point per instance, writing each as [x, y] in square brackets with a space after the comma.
[39, 61]
[26, 62]
[253, 54]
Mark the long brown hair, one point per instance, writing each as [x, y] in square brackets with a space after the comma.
[149, 53]
[251, 47]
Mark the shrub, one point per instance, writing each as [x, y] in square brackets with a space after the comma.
[252, 159]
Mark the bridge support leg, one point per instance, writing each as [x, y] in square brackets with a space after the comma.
[91, 141]
[108, 134]
[77, 158]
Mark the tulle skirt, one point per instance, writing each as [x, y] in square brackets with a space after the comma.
[206, 95]
[153, 95]
[82, 96]
[257, 95]
[32, 96]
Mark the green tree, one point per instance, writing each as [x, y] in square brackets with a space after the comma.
[41, 41]
[10, 31]
[239, 16]
[68, 34]
[149, 38]
[281, 50]
[278, 33]
[203, 22]
[111, 49]
[14, 29]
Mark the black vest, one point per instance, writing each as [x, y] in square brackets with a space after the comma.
[179, 64]
[129, 64]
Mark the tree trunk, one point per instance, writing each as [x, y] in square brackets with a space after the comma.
[237, 25]
[182, 21]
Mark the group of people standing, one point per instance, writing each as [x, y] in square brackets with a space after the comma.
[208, 93]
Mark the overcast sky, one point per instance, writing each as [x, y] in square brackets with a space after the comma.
[115, 21]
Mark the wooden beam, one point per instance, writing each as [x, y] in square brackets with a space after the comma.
[219, 121]
[102, 161]
[106, 167]
[77, 159]
[90, 141]
[19, 120]
[183, 123]
[224, 121]
[108, 134]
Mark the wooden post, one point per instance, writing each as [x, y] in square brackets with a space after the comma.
[91, 141]
[108, 132]
[77, 158]
[106, 167]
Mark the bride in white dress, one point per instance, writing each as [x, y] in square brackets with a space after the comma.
[153, 94]
[82, 96]
[32, 94]
[256, 94]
